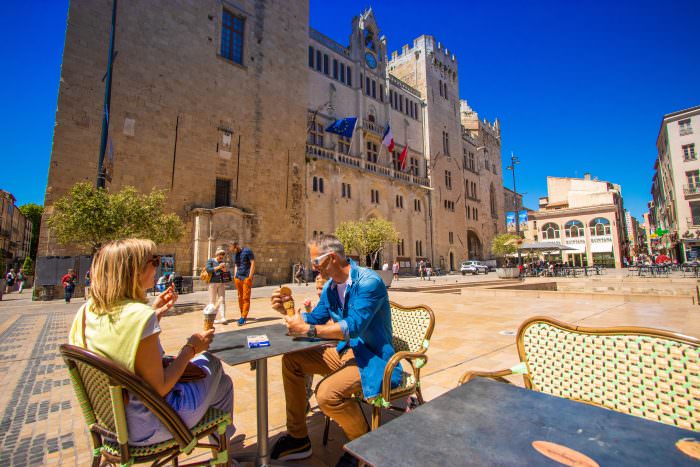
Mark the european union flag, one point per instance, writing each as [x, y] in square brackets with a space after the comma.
[343, 127]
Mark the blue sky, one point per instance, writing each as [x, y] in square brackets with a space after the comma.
[578, 86]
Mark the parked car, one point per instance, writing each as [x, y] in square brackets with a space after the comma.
[473, 267]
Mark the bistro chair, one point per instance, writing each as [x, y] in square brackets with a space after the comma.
[645, 372]
[412, 328]
[101, 388]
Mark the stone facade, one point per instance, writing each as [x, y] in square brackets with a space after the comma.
[183, 116]
[15, 232]
[241, 148]
[584, 214]
[675, 186]
[463, 156]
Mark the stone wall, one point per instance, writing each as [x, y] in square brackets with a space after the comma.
[183, 116]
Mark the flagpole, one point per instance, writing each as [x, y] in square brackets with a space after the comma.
[107, 100]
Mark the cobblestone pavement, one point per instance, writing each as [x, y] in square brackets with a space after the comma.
[41, 423]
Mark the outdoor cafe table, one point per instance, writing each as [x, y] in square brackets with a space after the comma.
[485, 422]
[232, 348]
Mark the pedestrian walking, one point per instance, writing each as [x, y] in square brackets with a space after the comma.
[9, 281]
[421, 269]
[68, 281]
[395, 269]
[21, 278]
[428, 270]
[244, 261]
[87, 284]
[216, 267]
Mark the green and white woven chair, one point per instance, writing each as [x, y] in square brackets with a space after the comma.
[412, 328]
[101, 387]
[645, 372]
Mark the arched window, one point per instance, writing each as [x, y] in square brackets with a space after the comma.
[599, 226]
[550, 231]
[492, 193]
[574, 229]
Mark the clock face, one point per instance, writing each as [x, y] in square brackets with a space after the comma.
[370, 60]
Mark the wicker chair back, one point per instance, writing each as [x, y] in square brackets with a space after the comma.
[412, 327]
[644, 372]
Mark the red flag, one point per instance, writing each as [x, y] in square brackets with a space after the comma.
[402, 159]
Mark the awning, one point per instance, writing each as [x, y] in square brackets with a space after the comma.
[544, 246]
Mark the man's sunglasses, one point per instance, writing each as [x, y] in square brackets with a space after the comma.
[155, 261]
[317, 260]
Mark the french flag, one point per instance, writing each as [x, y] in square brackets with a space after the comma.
[388, 139]
[402, 158]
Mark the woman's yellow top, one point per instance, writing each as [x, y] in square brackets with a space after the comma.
[116, 335]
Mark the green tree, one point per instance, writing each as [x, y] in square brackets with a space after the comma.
[33, 212]
[28, 266]
[505, 244]
[90, 216]
[366, 237]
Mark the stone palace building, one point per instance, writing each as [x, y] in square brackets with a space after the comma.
[223, 104]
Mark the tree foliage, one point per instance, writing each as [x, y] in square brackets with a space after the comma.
[505, 244]
[366, 237]
[28, 266]
[33, 212]
[90, 216]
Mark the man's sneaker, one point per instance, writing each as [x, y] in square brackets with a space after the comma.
[241, 321]
[221, 321]
[347, 461]
[289, 448]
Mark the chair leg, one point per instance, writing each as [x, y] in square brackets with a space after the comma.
[326, 428]
[376, 417]
[419, 396]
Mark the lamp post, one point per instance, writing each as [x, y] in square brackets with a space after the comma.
[513, 162]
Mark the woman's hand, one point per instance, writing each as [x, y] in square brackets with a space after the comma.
[165, 301]
[201, 340]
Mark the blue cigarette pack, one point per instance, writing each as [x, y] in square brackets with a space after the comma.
[258, 341]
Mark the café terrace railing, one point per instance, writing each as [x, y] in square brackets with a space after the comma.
[359, 163]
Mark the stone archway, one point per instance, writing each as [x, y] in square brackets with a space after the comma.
[474, 246]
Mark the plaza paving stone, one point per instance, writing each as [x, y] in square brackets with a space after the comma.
[41, 423]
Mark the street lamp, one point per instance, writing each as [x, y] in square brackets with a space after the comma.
[513, 162]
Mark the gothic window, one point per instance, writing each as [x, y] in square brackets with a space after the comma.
[372, 153]
[381, 92]
[232, 37]
[349, 76]
[319, 60]
[448, 179]
[325, 64]
[311, 57]
[492, 199]
[343, 145]
[316, 134]
[335, 69]
[369, 40]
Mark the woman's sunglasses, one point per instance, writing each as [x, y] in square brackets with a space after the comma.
[155, 261]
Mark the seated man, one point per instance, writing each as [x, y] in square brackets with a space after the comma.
[353, 308]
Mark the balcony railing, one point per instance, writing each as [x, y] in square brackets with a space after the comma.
[385, 171]
[691, 190]
[372, 126]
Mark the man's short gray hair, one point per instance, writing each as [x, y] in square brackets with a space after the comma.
[328, 243]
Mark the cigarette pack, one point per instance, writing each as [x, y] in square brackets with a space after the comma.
[258, 341]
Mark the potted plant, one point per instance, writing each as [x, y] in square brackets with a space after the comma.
[502, 245]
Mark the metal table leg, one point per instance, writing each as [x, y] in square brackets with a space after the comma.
[263, 454]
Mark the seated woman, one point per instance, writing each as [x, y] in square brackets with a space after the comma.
[118, 324]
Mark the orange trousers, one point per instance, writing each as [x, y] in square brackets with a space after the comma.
[243, 287]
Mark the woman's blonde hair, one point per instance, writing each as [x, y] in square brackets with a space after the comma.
[115, 273]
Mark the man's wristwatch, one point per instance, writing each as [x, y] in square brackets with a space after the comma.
[312, 331]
